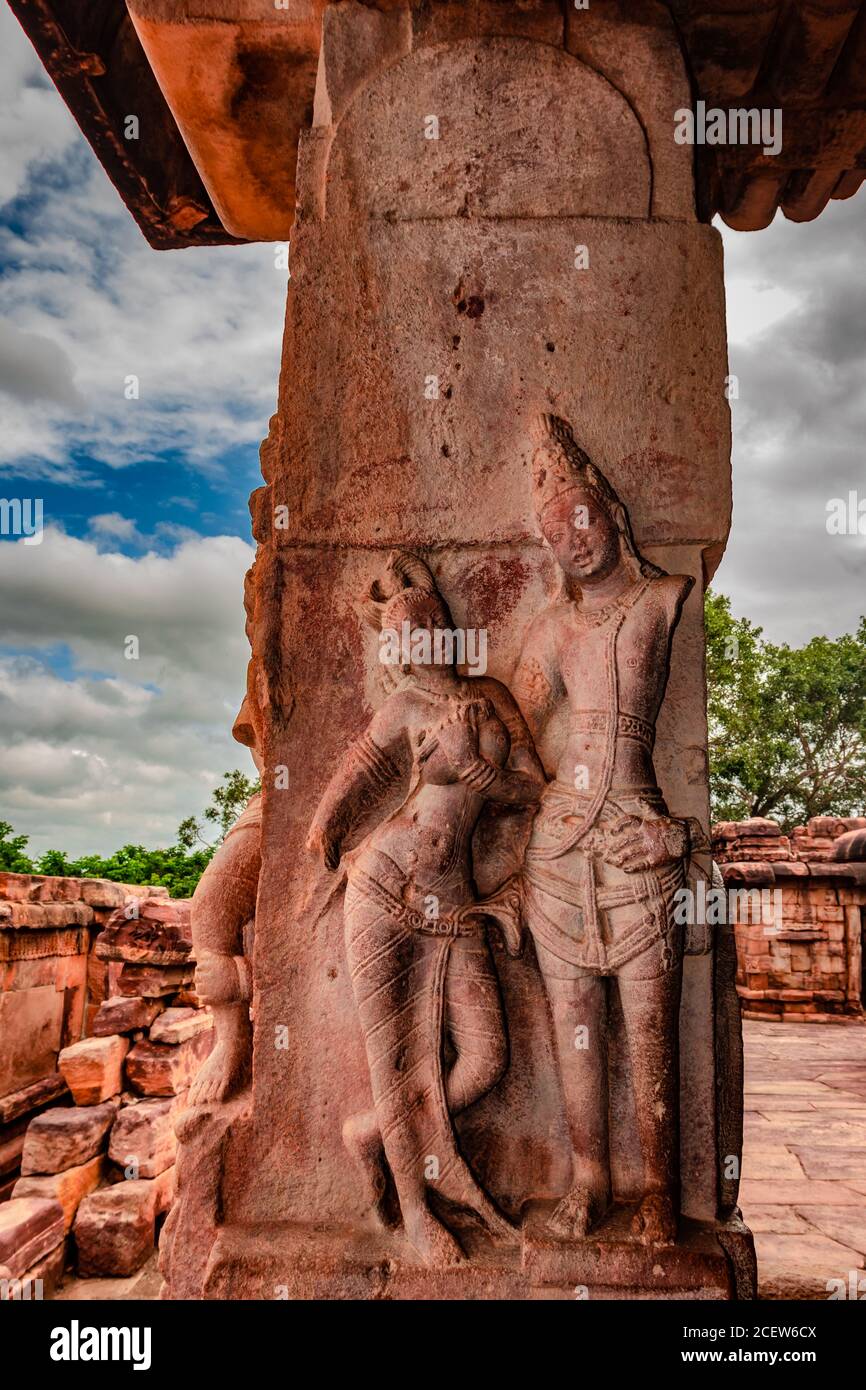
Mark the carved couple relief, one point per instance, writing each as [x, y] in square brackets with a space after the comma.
[594, 889]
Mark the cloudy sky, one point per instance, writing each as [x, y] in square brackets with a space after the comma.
[147, 531]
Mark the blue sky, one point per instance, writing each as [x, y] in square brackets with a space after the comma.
[145, 500]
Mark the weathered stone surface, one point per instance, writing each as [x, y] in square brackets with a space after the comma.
[153, 981]
[114, 1228]
[44, 1092]
[176, 1025]
[93, 1068]
[68, 1188]
[41, 1281]
[158, 934]
[30, 1227]
[165, 1069]
[143, 1136]
[65, 1137]
[124, 1014]
[31, 1032]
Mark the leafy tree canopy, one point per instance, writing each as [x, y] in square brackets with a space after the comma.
[178, 868]
[787, 724]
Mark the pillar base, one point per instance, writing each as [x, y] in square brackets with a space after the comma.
[709, 1261]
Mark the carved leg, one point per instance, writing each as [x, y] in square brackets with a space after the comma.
[473, 1012]
[578, 1008]
[398, 980]
[476, 1028]
[223, 902]
[651, 1011]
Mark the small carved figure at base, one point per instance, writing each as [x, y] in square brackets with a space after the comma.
[655, 1220]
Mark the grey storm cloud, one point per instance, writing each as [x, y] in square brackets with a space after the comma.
[33, 368]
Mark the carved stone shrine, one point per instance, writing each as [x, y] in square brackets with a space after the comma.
[463, 1048]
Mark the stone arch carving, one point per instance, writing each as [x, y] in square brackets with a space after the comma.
[449, 131]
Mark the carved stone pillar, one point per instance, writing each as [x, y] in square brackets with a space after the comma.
[494, 221]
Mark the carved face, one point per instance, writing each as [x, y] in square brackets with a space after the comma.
[582, 535]
[423, 616]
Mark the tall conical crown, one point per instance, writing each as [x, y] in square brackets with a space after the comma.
[564, 465]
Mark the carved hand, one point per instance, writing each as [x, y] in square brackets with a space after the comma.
[323, 841]
[458, 738]
[635, 844]
[216, 979]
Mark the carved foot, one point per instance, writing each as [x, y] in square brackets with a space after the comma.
[655, 1221]
[436, 1246]
[494, 1223]
[222, 1075]
[363, 1141]
[578, 1212]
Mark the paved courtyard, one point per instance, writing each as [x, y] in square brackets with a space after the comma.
[804, 1161]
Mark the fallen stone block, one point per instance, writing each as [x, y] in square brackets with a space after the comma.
[153, 981]
[68, 1188]
[30, 1227]
[40, 1281]
[115, 1227]
[65, 1137]
[143, 1137]
[29, 1098]
[103, 893]
[124, 1014]
[92, 1068]
[164, 1069]
[149, 931]
[176, 1025]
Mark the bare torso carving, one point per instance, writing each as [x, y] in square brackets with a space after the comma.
[605, 858]
[422, 973]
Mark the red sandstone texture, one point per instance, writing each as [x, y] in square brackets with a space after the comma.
[800, 951]
[93, 1156]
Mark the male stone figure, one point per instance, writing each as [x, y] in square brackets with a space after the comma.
[605, 858]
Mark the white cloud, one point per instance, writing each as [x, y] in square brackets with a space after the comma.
[35, 125]
[114, 525]
[89, 305]
[799, 353]
[126, 749]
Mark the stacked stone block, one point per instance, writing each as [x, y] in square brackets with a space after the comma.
[97, 1166]
[806, 962]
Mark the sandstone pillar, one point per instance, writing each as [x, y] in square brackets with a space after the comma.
[493, 221]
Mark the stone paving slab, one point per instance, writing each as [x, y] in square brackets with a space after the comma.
[804, 1155]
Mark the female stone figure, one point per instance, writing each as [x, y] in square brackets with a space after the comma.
[605, 858]
[422, 972]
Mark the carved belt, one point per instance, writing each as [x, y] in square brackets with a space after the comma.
[594, 721]
[445, 924]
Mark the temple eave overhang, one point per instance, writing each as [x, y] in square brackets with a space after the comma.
[222, 89]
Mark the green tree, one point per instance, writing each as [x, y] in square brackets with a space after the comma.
[226, 805]
[12, 847]
[177, 868]
[787, 724]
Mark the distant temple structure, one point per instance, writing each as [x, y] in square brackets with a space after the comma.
[798, 908]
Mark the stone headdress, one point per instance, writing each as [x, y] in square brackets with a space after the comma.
[404, 587]
[404, 591]
[564, 466]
